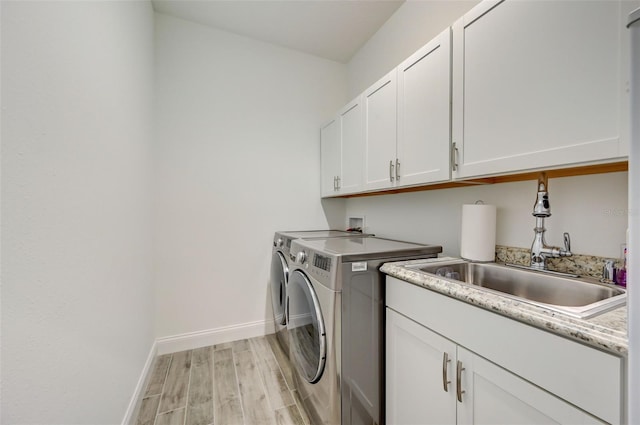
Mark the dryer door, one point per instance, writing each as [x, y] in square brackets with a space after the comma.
[306, 328]
[279, 276]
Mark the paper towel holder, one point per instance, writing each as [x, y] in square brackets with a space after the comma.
[478, 228]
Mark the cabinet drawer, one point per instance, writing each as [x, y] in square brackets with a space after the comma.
[586, 377]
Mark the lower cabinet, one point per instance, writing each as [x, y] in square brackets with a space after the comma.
[450, 365]
[492, 395]
[419, 367]
[431, 380]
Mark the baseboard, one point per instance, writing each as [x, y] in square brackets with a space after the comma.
[134, 405]
[191, 340]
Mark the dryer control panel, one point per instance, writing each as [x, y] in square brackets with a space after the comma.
[282, 244]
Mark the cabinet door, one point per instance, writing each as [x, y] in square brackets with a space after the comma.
[560, 366]
[380, 120]
[329, 158]
[538, 84]
[424, 85]
[415, 379]
[492, 395]
[352, 147]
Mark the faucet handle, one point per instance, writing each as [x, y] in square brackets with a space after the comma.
[567, 242]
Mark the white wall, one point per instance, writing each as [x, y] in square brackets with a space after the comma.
[237, 158]
[593, 209]
[412, 26]
[77, 295]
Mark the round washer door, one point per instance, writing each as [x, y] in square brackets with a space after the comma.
[306, 327]
[278, 282]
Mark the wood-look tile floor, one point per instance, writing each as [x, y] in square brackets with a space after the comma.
[246, 382]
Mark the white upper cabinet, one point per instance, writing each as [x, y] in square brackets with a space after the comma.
[330, 158]
[407, 120]
[513, 86]
[424, 85]
[342, 151]
[352, 152]
[538, 84]
[380, 133]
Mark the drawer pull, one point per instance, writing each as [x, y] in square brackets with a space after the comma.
[454, 157]
[445, 380]
[459, 390]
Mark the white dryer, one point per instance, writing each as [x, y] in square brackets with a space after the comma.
[280, 272]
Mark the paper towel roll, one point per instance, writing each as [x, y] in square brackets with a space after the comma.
[478, 233]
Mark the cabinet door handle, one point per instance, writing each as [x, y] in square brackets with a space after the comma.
[459, 390]
[397, 169]
[338, 180]
[454, 157]
[391, 171]
[445, 380]
[334, 183]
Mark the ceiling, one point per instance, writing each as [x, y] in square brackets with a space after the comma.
[331, 29]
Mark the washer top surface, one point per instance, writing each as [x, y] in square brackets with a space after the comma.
[314, 234]
[373, 247]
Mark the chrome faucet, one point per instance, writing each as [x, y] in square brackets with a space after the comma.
[540, 251]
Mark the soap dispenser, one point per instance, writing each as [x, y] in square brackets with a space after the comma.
[609, 272]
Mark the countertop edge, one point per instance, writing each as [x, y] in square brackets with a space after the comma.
[601, 332]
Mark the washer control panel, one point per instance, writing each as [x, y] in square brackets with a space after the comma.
[322, 262]
[317, 265]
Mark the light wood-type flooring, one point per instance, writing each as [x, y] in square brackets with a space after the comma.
[246, 382]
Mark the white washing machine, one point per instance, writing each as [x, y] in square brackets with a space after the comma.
[336, 324]
[280, 272]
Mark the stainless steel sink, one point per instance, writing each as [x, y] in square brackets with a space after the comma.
[577, 297]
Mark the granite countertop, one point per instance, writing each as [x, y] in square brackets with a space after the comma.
[607, 331]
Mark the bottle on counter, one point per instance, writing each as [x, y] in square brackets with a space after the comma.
[621, 273]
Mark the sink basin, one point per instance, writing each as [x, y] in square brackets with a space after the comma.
[577, 297]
